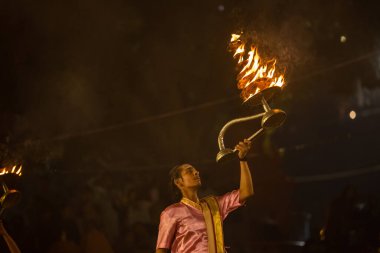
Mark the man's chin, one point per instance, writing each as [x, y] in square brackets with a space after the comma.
[198, 185]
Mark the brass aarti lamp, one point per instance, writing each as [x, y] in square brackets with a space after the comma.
[259, 85]
[10, 197]
[270, 118]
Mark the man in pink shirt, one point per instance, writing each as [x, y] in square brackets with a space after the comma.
[194, 225]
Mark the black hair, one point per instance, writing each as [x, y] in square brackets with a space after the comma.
[174, 174]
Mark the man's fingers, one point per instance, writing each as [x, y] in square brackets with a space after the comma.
[243, 145]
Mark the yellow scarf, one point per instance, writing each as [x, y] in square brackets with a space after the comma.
[214, 225]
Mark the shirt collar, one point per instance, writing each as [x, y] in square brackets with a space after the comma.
[191, 203]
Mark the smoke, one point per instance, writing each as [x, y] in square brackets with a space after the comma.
[277, 31]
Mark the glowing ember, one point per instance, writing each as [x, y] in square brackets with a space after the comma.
[255, 75]
[14, 170]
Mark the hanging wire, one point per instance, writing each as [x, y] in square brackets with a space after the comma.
[201, 106]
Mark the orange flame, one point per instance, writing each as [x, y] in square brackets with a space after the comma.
[255, 75]
[14, 170]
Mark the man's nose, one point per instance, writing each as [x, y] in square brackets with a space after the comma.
[196, 173]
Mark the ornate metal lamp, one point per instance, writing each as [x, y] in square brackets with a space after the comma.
[10, 197]
[270, 118]
[259, 84]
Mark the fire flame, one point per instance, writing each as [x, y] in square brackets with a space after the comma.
[11, 170]
[255, 74]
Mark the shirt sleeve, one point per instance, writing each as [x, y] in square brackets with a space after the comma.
[229, 202]
[166, 230]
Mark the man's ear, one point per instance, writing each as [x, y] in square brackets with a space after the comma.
[178, 182]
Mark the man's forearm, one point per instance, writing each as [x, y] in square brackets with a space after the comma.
[246, 184]
[162, 250]
[11, 244]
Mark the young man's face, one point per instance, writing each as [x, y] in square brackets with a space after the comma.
[189, 177]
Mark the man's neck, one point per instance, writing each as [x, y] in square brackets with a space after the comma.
[191, 194]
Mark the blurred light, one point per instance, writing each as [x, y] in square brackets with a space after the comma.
[322, 234]
[220, 7]
[281, 151]
[352, 114]
[343, 39]
[360, 206]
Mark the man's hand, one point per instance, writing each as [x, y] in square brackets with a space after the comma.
[243, 147]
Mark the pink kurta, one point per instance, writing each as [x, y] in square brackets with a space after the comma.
[183, 228]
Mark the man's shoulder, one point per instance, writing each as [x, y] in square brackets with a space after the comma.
[173, 208]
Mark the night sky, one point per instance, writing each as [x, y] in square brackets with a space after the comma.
[114, 85]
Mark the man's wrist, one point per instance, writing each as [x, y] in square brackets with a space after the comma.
[242, 159]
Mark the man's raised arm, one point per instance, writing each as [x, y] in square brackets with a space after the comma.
[246, 185]
[13, 248]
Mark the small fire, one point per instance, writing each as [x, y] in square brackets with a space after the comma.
[255, 75]
[11, 170]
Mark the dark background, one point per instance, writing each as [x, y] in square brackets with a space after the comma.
[112, 94]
